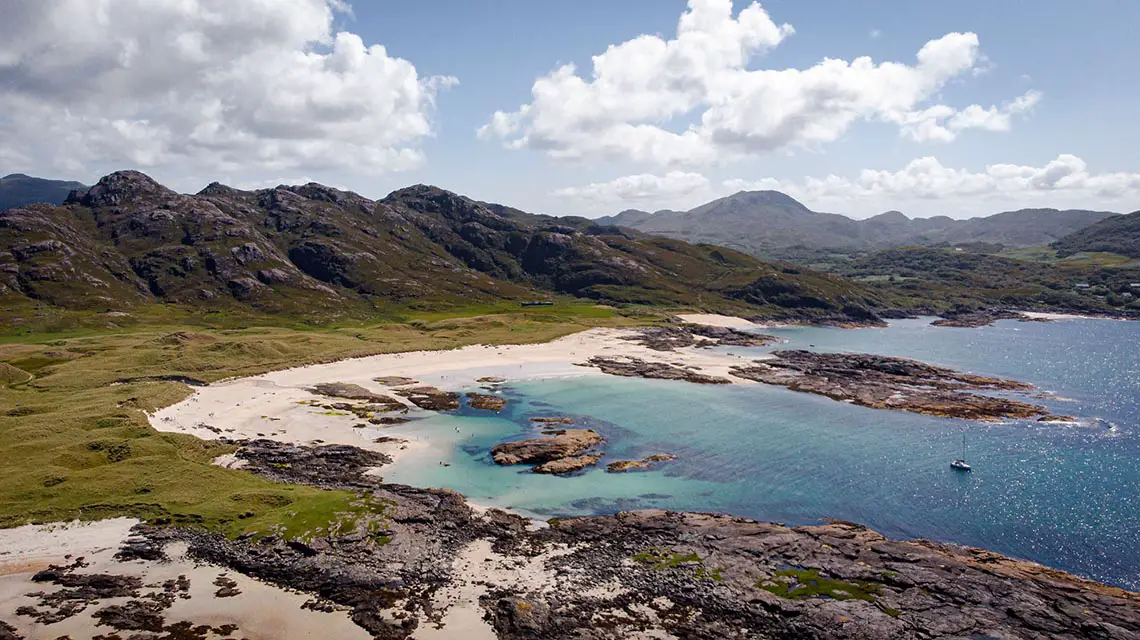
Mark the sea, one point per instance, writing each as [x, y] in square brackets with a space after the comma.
[1064, 495]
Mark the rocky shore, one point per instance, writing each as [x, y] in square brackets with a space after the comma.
[982, 318]
[883, 382]
[649, 574]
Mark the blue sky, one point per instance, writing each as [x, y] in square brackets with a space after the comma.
[1056, 78]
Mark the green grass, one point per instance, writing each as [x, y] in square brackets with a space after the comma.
[75, 441]
[801, 584]
[660, 559]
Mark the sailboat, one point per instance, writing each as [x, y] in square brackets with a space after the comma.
[960, 464]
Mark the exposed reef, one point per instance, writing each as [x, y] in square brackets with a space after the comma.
[883, 382]
[982, 318]
[647, 462]
[559, 451]
[689, 335]
[631, 367]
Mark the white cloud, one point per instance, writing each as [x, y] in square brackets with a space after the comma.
[639, 188]
[876, 33]
[204, 85]
[699, 83]
[926, 184]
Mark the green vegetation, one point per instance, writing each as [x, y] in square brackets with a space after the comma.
[943, 279]
[75, 442]
[801, 584]
[660, 559]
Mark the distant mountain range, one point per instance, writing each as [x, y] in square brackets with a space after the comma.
[129, 240]
[764, 222]
[1118, 234]
[17, 190]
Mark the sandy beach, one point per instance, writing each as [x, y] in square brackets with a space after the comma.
[260, 611]
[275, 405]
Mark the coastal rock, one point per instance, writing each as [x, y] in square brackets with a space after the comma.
[547, 420]
[491, 380]
[486, 401]
[647, 462]
[431, 398]
[669, 338]
[883, 382]
[982, 318]
[333, 466]
[349, 391]
[559, 444]
[631, 367]
[394, 381]
[564, 466]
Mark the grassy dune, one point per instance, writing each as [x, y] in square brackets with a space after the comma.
[75, 442]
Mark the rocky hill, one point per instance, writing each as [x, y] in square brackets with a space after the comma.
[1119, 234]
[765, 222]
[17, 190]
[129, 240]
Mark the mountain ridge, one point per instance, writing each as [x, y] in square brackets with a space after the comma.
[19, 189]
[764, 222]
[129, 240]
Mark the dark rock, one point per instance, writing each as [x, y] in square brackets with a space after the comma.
[486, 401]
[332, 466]
[647, 462]
[883, 382]
[430, 398]
[558, 445]
[350, 391]
[637, 368]
[564, 466]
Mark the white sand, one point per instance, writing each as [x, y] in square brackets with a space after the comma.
[270, 405]
[715, 320]
[1060, 316]
[261, 611]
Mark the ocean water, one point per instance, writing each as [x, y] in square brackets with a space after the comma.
[1067, 496]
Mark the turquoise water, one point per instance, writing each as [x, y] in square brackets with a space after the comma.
[1062, 495]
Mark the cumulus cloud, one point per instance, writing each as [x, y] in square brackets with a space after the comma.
[639, 188]
[693, 99]
[207, 85]
[1066, 180]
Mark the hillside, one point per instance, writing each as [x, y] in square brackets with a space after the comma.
[312, 249]
[17, 190]
[943, 279]
[767, 223]
[1120, 234]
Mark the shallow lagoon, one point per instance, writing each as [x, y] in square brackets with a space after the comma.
[1067, 496]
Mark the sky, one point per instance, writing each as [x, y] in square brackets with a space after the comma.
[588, 107]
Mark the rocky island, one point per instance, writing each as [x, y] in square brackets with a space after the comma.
[883, 382]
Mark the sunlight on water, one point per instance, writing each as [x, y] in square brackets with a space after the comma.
[1063, 495]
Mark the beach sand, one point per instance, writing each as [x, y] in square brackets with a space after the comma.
[274, 405]
[261, 611]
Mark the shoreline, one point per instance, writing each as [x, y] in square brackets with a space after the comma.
[253, 400]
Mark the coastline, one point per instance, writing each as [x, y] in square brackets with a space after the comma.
[240, 408]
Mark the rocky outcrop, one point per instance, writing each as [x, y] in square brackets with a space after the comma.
[349, 391]
[431, 398]
[555, 445]
[982, 318]
[486, 401]
[647, 462]
[332, 466]
[883, 382]
[394, 381]
[631, 367]
[647, 573]
[669, 338]
[564, 466]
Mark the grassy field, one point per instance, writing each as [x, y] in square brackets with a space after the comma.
[75, 442]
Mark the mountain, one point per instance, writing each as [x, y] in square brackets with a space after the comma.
[17, 190]
[129, 240]
[766, 222]
[1120, 234]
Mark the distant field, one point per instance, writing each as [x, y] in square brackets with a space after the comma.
[1045, 254]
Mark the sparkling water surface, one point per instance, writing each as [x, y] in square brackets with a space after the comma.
[1067, 496]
